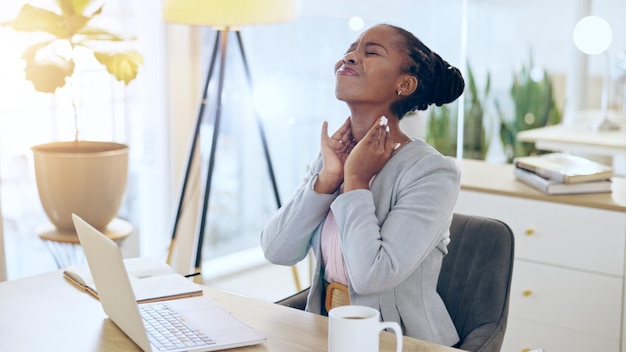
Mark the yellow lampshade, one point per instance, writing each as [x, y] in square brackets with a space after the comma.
[227, 13]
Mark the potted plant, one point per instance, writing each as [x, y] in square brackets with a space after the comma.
[84, 177]
[534, 106]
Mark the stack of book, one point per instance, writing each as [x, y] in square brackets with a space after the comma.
[560, 173]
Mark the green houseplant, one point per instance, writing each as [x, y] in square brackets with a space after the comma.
[84, 177]
[534, 106]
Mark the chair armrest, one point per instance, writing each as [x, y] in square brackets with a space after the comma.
[297, 300]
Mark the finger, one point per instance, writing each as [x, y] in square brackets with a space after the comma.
[350, 143]
[383, 131]
[374, 134]
[346, 124]
[388, 141]
[380, 135]
[324, 131]
[344, 133]
[349, 138]
[334, 142]
[386, 134]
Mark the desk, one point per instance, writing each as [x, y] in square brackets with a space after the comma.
[499, 179]
[569, 281]
[45, 313]
[65, 246]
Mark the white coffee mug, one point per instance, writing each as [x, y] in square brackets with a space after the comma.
[357, 328]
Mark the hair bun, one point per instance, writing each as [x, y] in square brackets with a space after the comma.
[438, 82]
[449, 84]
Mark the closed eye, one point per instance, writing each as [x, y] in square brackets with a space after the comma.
[372, 48]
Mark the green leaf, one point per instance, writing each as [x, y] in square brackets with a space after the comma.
[534, 108]
[124, 66]
[69, 26]
[73, 7]
[74, 24]
[34, 19]
[78, 23]
[49, 75]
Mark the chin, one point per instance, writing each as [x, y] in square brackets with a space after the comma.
[340, 95]
[344, 94]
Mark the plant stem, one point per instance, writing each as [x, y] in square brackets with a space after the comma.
[74, 106]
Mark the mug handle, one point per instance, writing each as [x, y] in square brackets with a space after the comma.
[396, 329]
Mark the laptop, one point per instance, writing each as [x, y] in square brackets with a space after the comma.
[216, 327]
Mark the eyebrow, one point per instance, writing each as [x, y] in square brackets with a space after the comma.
[368, 44]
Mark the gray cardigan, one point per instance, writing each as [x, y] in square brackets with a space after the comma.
[394, 237]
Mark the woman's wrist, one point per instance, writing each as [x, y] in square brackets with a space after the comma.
[352, 183]
[325, 184]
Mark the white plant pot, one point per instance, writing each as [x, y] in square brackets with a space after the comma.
[87, 178]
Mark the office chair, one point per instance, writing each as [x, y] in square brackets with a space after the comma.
[475, 280]
[474, 283]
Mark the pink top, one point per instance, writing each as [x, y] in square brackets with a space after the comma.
[332, 255]
[335, 267]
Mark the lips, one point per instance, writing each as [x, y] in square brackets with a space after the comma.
[346, 71]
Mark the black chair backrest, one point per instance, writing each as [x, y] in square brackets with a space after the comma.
[475, 280]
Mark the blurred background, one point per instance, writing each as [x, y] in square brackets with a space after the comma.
[502, 47]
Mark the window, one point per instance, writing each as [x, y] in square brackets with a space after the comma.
[133, 115]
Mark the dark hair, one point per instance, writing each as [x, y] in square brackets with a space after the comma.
[438, 82]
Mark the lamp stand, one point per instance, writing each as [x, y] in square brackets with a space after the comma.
[220, 47]
[603, 123]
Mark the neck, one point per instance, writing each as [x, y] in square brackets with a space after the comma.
[362, 120]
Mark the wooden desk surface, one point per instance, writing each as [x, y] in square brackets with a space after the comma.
[499, 179]
[44, 312]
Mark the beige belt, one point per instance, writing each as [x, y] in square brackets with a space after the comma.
[337, 295]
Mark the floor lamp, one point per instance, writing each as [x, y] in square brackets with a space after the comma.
[226, 16]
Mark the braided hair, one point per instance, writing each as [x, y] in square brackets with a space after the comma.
[438, 82]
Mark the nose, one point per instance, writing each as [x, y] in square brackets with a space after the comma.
[350, 58]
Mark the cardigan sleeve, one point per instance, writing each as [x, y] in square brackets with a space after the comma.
[286, 237]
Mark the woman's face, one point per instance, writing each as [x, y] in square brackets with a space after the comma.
[369, 71]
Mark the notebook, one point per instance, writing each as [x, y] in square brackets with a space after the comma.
[217, 327]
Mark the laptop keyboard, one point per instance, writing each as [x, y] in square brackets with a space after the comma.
[168, 330]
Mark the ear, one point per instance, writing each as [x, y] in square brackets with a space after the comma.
[407, 86]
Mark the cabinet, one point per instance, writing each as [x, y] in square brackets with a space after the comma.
[568, 277]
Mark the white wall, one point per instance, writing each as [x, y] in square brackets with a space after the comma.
[3, 268]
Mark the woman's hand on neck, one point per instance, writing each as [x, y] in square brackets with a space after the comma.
[361, 121]
[370, 154]
[362, 118]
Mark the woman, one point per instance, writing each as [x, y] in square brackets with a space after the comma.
[376, 205]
